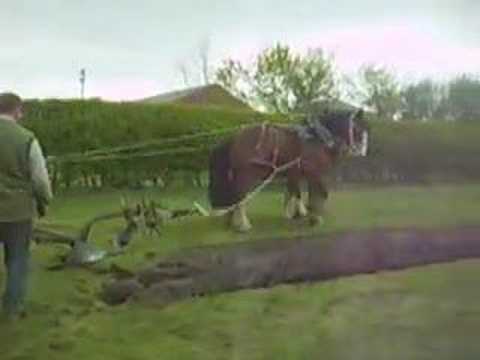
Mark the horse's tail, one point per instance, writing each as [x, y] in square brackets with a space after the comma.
[221, 189]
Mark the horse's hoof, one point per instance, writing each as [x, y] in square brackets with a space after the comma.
[242, 228]
[291, 209]
[295, 209]
[316, 220]
[302, 210]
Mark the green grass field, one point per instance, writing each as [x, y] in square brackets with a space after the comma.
[424, 313]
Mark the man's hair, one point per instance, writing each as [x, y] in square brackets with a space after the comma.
[9, 102]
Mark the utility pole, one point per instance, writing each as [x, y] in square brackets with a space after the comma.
[82, 83]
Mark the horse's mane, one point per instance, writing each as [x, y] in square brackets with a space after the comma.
[335, 121]
[312, 130]
[325, 125]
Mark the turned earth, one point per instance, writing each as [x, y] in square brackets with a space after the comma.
[265, 263]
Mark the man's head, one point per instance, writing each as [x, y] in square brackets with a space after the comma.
[11, 105]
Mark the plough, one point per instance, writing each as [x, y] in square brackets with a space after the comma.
[146, 216]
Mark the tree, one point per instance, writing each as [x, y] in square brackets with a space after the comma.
[378, 89]
[464, 98]
[235, 78]
[204, 60]
[198, 71]
[421, 100]
[280, 81]
[184, 72]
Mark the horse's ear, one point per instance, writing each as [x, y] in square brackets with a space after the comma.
[356, 115]
[309, 120]
[359, 114]
[361, 121]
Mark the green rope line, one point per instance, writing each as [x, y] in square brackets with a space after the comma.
[169, 141]
[83, 159]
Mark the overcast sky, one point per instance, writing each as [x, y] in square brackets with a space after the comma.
[132, 48]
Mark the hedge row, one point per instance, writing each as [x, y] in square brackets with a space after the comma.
[78, 126]
[406, 152]
[418, 152]
[68, 127]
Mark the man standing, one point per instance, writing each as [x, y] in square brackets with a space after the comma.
[24, 191]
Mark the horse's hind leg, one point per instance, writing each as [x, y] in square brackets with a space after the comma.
[239, 219]
[294, 206]
[317, 195]
[247, 179]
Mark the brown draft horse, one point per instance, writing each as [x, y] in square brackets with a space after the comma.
[243, 162]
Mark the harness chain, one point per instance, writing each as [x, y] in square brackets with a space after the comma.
[252, 193]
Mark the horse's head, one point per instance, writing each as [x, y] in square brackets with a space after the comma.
[360, 135]
[350, 131]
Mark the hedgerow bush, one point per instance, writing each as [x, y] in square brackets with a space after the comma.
[68, 127]
[417, 152]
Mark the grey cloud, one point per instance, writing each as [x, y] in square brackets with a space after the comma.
[51, 39]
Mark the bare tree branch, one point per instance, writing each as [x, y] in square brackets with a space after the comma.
[203, 56]
[185, 74]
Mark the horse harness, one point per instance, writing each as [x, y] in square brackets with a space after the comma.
[260, 143]
[310, 131]
[307, 132]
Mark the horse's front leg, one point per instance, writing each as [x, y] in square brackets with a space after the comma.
[317, 195]
[294, 206]
[246, 180]
[239, 219]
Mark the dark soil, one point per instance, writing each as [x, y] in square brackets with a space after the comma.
[259, 264]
